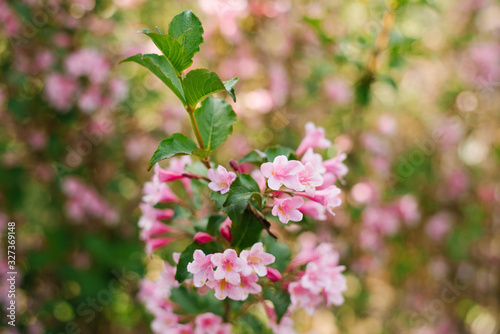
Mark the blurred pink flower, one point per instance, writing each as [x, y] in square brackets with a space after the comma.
[88, 62]
[338, 91]
[314, 209]
[438, 225]
[60, 91]
[314, 138]
[209, 323]
[336, 166]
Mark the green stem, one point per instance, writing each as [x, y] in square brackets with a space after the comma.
[197, 133]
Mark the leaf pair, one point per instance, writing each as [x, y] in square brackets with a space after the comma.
[185, 34]
[215, 119]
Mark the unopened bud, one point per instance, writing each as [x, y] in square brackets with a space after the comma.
[202, 238]
[274, 275]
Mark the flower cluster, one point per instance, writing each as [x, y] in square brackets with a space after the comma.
[310, 178]
[321, 280]
[155, 296]
[229, 275]
[86, 203]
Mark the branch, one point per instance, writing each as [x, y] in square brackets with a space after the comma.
[262, 220]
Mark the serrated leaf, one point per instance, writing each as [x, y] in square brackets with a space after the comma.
[215, 118]
[235, 211]
[176, 144]
[245, 232]
[187, 28]
[160, 66]
[273, 152]
[243, 188]
[280, 299]
[171, 48]
[200, 83]
[256, 157]
[229, 85]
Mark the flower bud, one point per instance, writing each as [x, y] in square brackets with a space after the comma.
[202, 238]
[273, 274]
[225, 230]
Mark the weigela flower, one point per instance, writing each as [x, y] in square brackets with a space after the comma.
[256, 260]
[202, 238]
[225, 229]
[313, 209]
[315, 137]
[209, 323]
[287, 209]
[328, 198]
[282, 172]
[224, 289]
[221, 179]
[201, 268]
[273, 274]
[315, 159]
[310, 179]
[249, 285]
[229, 266]
[336, 166]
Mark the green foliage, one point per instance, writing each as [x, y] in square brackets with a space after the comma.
[215, 118]
[176, 144]
[243, 188]
[280, 299]
[187, 28]
[255, 157]
[245, 231]
[214, 222]
[280, 250]
[273, 152]
[200, 83]
[171, 48]
[161, 67]
[192, 302]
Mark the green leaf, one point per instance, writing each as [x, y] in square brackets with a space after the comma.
[187, 28]
[243, 188]
[192, 302]
[229, 84]
[280, 299]
[201, 153]
[273, 152]
[187, 256]
[162, 68]
[170, 47]
[245, 232]
[176, 144]
[255, 157]
[213, 225]
[218, 198]
[215, 118]
[235, 211]
[200, 83]
[280, 250]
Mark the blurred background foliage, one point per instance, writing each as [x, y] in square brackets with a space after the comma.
[408, 89]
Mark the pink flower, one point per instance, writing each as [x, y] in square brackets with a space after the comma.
[153, 244]
[336, 167]
[224, 289]
[221, 179]
[408, 209]
[315, 137]
[315, 159]
[286, 209]
[229, 265]
[282, 172]
[313, 209]
[225, 230]
[90, 100]
[256, 260]
[438, 225]
[60, 91]
[202, 238]
[156, 191]
[384, 220]
[309, 179]
[302, 297]
[328, 198]
[249, 285]
[201, 268]
[88, 62]
[273, 274]
[209, 323]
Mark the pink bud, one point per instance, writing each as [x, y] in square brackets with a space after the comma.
[202, 238]
[225, 230]
[273, 274]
